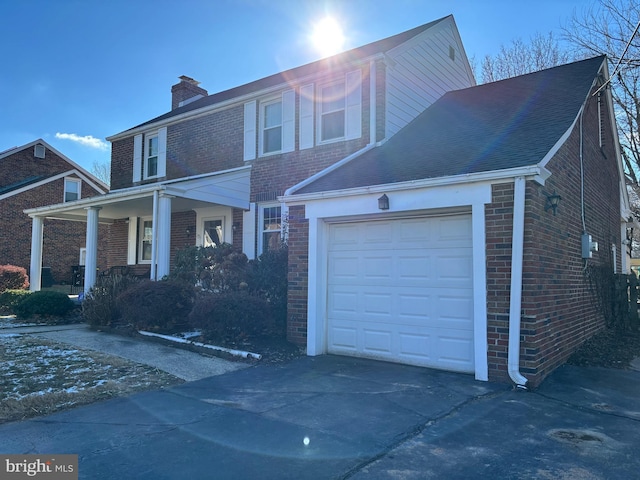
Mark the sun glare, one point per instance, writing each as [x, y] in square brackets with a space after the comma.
[327, 37]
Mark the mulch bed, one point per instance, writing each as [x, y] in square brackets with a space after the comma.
[609, 348]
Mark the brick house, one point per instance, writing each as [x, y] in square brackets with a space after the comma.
[415, 202]
[34, 175]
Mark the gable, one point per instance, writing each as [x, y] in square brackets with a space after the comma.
[37, 160]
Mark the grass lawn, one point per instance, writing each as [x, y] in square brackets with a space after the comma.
[39, 377]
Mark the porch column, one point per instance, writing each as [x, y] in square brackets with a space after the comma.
[164, 236]
[91, 263]
[35, 269]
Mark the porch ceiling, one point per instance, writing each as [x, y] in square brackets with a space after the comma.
[230, 188]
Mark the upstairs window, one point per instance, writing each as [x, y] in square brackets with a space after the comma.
[71, 189]
[332, 111]
[151, 157]
[271, 126]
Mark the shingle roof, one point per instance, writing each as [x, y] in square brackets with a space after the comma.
[326, 64]
[22, 183]
[505, 124]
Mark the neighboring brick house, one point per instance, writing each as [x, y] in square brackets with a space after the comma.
[35, 175]
[415, 201]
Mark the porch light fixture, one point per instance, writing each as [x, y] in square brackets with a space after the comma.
[383, 202]
[552, 202]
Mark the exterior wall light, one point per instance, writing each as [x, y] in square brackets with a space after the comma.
[383, 202]
[552, 202]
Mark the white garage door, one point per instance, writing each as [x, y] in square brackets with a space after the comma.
[401, 290]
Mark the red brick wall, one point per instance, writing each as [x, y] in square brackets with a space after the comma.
[298, 276]
[559, 310]
[62, 240]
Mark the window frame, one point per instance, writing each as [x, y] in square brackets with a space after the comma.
[262, 125]
[141, 222]
[261, 219]
[68, 181]
[147, 140]
[321, 113]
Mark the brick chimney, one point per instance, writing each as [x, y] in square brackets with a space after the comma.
[186, 92]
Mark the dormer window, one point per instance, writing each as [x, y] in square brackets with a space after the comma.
[71, 189]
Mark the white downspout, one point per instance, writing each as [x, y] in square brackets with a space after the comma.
[515, 307]
[373, 124]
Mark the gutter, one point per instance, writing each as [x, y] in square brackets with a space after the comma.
[515, 301]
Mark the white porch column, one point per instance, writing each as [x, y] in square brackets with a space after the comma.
[163, 235]
[35, 269]
[91, 263]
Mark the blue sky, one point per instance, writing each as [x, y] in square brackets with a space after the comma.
[76, 71]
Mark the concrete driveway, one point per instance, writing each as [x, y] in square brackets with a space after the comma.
[336, 417]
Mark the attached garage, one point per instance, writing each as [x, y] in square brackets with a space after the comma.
[401, 289]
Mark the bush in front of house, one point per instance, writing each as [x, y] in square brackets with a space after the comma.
[13, 278]
[99, 306]
[161, 306]
[10, 298]
[212, 269]
[231, 316]
[268, 279]
[45, 303]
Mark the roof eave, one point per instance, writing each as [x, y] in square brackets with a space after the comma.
[532, 172]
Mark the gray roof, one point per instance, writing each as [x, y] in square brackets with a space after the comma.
[334, 62]
[500, 125]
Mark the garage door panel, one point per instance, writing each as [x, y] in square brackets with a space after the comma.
[402, 290]
[376, 341]
[344, 338]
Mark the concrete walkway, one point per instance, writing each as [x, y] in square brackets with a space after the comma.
[181, 363]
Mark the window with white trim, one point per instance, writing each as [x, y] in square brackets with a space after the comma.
[212, 233]
[151, 156]
[271, 126]
[71, 189]
[332, 111]
[270, 227]
[145, 240]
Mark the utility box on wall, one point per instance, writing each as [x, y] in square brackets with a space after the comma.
[588, 246]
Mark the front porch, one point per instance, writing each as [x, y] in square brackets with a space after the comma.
[143, 216]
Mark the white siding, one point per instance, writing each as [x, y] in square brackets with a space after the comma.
[422, 72]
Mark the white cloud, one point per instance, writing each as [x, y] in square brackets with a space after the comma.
[87, 140]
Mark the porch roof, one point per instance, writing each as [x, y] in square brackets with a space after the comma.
[229, 187]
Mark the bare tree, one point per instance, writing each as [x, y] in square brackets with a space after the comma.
[543, 51]
[102, 171]
[610, 27]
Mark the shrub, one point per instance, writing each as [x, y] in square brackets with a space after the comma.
[10, 298]
[231, 316]
[45, 302]
[13, 278]
[213, 269]
[157, 306]
[268, 279]
[99, 305]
